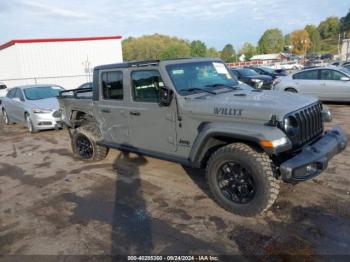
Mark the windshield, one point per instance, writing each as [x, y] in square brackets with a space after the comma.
[200, 75]
[42, 92]
[268, 70]
[247, 72]
[345, 69]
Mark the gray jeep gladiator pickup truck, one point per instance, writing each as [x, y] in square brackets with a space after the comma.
[195, 112]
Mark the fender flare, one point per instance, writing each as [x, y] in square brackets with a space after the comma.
[252, 133]
[73, 118]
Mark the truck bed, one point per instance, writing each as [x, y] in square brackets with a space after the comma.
[71, 101]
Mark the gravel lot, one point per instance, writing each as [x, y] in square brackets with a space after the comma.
[53, 204]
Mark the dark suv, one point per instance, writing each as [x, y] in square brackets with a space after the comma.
[268, 71]
[252, 78]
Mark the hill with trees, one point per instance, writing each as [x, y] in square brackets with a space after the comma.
[312, 39]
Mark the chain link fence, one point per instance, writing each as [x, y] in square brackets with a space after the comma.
[67, 82]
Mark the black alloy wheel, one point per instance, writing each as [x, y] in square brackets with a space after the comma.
[84, 147]
[236, 183]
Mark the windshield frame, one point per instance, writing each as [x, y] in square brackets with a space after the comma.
[58, 88]
[206, 87]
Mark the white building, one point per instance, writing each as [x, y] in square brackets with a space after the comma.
[269, 57]
[63, 61]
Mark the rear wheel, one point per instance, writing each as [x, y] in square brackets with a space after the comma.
[5, 117]
[242, 180]
[84, 144]
[290, 89]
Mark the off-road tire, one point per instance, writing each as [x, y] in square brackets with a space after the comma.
[291, 89]
[92, 133]
[262, 171]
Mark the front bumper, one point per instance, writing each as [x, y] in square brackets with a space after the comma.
[46, 121]
[313, 159]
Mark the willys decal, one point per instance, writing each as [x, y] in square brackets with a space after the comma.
[228, 111]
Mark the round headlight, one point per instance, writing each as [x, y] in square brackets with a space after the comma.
[291, 126]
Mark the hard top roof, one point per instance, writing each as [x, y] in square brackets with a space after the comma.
[145, 63]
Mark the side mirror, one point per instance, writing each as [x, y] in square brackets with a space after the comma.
[165, 96]
[344, 78]
[3, 87]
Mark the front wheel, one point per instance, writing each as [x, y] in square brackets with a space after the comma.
[30, 125]
[5, 117]
[242, 180]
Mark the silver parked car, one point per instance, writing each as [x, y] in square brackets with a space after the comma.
[34, 105]
[330, 83]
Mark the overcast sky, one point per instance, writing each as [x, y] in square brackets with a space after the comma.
[216, 22]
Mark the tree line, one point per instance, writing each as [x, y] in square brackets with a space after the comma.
[306, 40]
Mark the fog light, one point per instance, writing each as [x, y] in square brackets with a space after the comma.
[311, 169]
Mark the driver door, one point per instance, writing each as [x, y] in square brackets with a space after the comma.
[9, 104]
[18, 106]
[152, 127]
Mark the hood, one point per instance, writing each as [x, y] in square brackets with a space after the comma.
[47, 103]
[247, 104]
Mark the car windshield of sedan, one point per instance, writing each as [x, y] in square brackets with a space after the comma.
[42, 92]
[345, 69]
[201, 75]
[247, 72]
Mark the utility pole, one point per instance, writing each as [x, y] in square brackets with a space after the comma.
[339, 45]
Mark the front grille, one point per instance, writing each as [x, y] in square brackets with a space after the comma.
[45, 123]
[310, 124]
[56, 114]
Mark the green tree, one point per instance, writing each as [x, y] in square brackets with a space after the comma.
[198, 49]
[287, 39]
[175, 50]
[272, 41]
[212, 52]
[228, 54]
[248, 50]
[315, 39]
[345, 24]
[329, 27]
[155, 47]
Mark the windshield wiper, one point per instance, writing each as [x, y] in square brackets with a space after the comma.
[218, 85]
[198, 89]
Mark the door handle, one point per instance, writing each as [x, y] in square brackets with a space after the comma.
[323, 84]
[135, 113]
[105, 110]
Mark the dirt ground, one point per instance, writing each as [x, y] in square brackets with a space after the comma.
[53, 204]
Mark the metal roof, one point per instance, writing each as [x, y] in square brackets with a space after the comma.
[47, 40]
